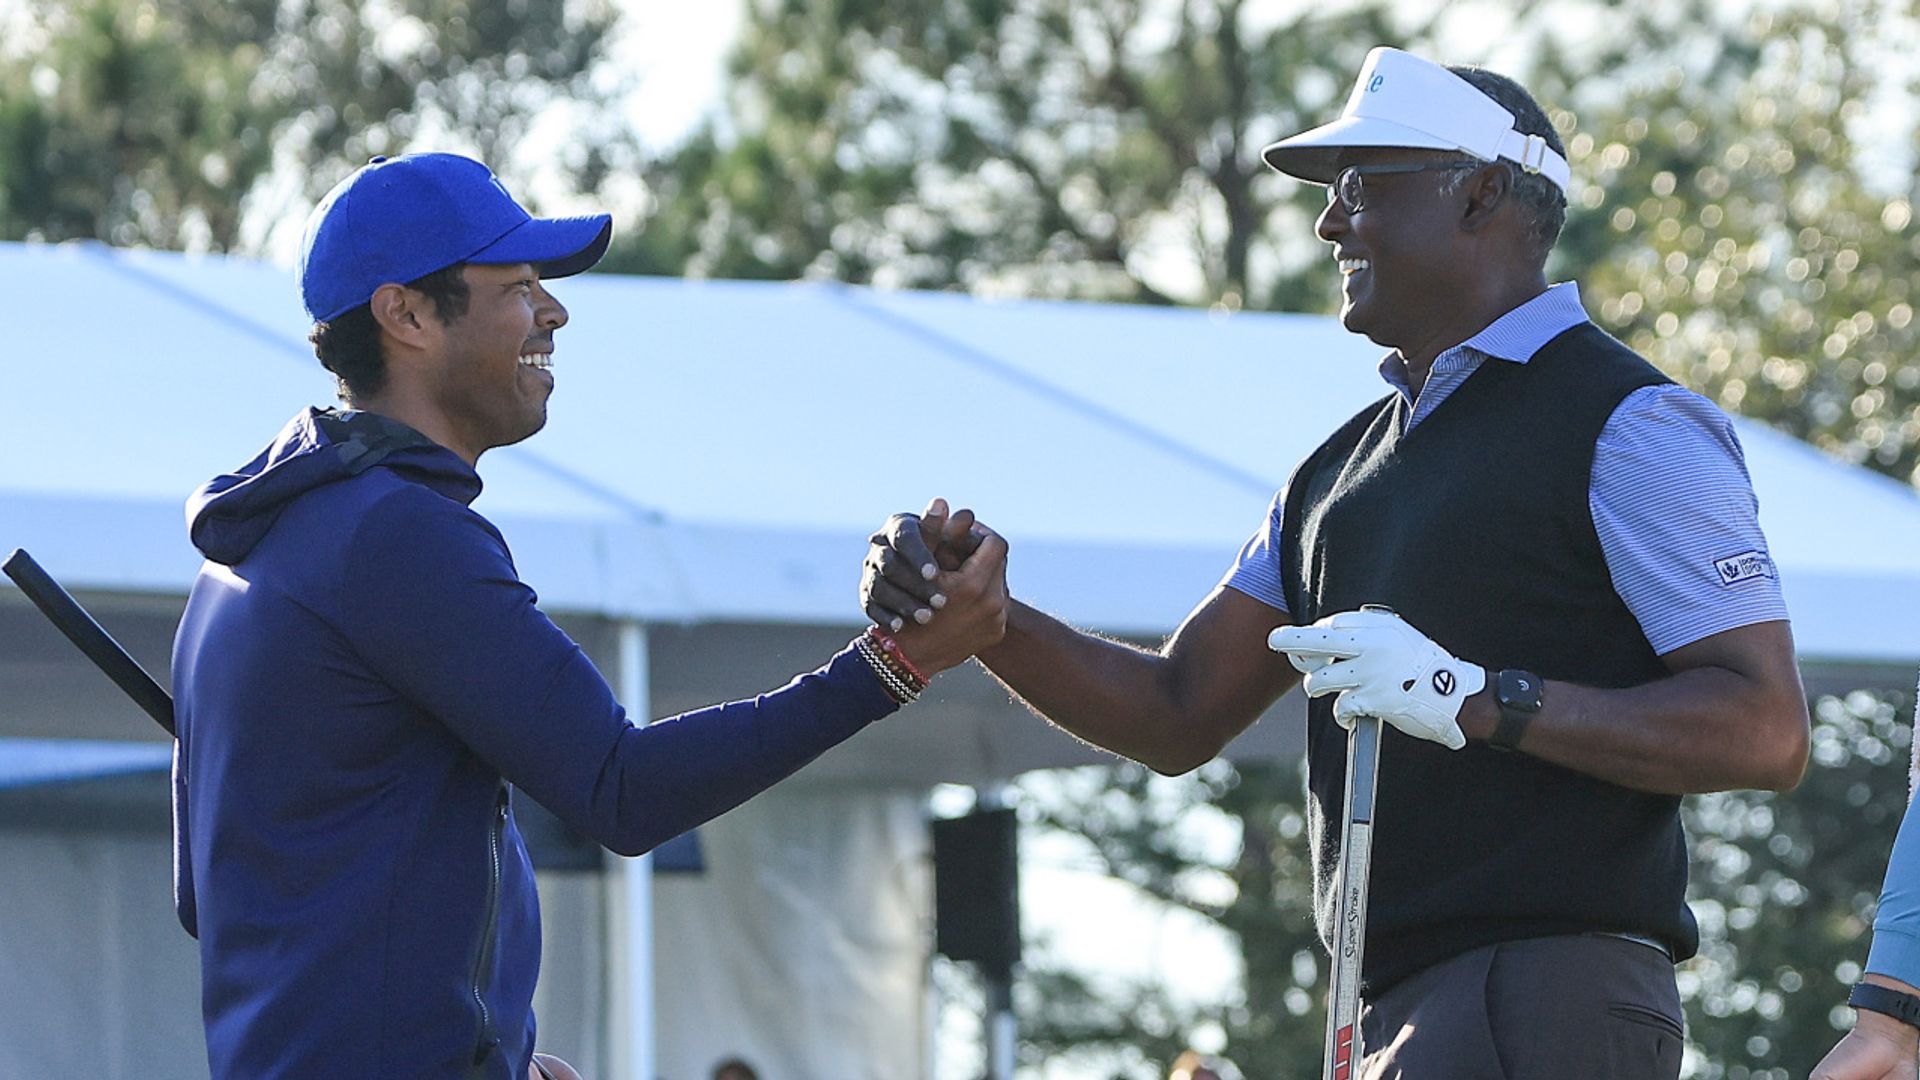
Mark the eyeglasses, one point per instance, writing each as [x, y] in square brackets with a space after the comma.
[1346, 185]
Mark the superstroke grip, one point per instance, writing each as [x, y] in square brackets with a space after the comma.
[66, 613]
[1344, 1049]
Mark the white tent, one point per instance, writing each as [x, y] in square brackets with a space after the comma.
[695, 514]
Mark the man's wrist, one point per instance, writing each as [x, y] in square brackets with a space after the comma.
[1479, 715]
[1018, 623]
[1889, 1029]
[1881, 1026]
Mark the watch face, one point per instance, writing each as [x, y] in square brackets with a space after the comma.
[1519, 689]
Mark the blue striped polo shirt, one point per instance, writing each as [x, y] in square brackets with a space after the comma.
[1672, 502]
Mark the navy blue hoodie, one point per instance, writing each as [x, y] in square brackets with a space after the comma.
[362, 681]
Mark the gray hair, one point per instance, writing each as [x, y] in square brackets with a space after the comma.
[1540, 199]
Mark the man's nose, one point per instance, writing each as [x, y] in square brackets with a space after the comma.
[1332, 222]
[552, 313]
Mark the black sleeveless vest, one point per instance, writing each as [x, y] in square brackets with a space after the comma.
[1475, 526]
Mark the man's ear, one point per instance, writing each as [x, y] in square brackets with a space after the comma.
[402, 313]
[1488, 189]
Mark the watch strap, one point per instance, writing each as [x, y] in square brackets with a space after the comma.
[1513, 724]
[1887, 1001]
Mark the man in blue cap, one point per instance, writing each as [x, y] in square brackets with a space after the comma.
[363, 682]
[1588, 623]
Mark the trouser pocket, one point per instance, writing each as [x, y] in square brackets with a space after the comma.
[1642, 1043]
[1591, 1008]
[1640, 1014]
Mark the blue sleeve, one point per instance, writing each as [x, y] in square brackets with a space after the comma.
[442, 617]
[1678, 521]
[1256, 571]
[1896, 927]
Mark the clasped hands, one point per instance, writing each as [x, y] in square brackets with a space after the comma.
[938, 561]
[1381, 666]
[950, 564]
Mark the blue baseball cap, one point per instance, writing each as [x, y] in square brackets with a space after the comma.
[398, 219]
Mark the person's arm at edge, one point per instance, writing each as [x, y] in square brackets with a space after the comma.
[1880, 1047]
[1894, 958]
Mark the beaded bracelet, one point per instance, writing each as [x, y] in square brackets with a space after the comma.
[896, 687]
[895, 653]
[902, 691]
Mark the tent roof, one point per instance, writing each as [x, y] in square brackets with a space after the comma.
[717, 451]
[33, 762]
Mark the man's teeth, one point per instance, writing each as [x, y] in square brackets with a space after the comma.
[541, 360]
[1353, 266]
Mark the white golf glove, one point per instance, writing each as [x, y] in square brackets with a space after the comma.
[1380, 666]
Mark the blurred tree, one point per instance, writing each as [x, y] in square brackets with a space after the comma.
[1047, 147]
[1785, 886]
[1730, 230]
[1164, 836]
[161, 122]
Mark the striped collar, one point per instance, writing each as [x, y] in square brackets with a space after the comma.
[1515, 336]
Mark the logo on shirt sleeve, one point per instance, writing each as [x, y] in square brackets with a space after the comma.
[1746, 566]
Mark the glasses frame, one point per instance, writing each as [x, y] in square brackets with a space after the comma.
[1353, 174]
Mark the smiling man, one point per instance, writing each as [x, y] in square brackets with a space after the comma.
[363, 684]
[1585, 624]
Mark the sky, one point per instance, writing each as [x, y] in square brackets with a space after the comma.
[678, 51]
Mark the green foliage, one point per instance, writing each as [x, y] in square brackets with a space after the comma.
[1046, 147]
[1729, 232]
[167, 122]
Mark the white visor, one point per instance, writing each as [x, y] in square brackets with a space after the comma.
[1401, 100]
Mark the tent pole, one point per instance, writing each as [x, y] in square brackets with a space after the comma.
[632, 1011]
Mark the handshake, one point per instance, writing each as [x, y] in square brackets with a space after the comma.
[937, 583]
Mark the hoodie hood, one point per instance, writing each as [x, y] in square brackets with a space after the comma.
[231, 513]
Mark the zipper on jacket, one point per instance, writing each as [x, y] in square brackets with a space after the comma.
[483, 963]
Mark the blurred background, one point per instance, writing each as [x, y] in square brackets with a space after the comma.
[1742, 215]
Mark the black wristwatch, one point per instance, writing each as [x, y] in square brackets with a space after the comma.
[1519, 695]
[1887, 1001]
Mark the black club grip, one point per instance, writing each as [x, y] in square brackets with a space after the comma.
[66, 613]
